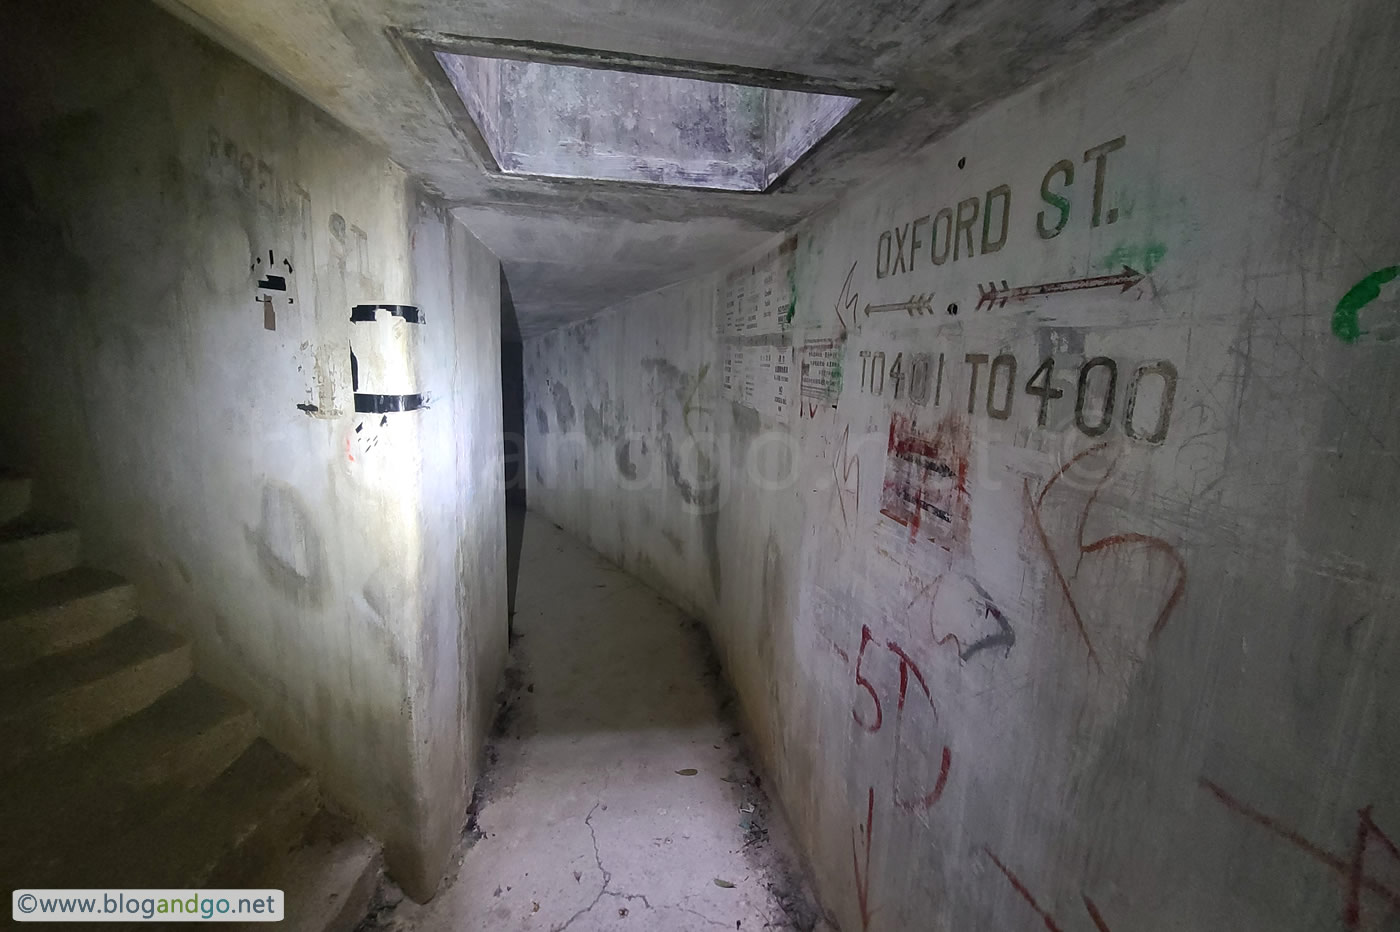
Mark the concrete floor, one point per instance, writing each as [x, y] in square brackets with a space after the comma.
[588, 817]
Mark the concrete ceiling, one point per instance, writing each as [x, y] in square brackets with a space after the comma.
[572, 248]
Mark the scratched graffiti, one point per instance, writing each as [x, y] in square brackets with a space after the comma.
[951, 597]
[1363, 893]
[1360, 887]
[845, 474]
[866, 834]
[848, 300]
[1095, 914]
[1162, 570]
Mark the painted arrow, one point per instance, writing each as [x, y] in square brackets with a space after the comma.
[992, 295]
[917, 304]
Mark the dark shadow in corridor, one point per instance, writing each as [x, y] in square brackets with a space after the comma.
[513, 437]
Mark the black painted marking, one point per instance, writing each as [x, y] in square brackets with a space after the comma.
[309, 409]
[383, 421]
[273, 283]
[354, 372]
[367, 313]
[1004, 637]
[1106, 415]
[379, 404]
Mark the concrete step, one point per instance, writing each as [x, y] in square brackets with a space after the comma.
[64, 697]
[329, 878]
[117, 779]
[31, 548]
[15, 492]
[252, 812]
[60, 612]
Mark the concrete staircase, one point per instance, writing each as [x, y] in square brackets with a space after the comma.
[120, 768]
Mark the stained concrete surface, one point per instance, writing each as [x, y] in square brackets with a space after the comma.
[587, 817]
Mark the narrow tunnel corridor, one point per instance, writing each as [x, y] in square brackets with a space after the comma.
[960, 440]
[617, 792]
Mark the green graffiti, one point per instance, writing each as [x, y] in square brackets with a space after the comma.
[1143, 258]
[1345, 319]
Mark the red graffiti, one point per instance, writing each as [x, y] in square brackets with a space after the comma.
[1352, 871]
[863, 876]
[928, 800]
[908, 672]
[926, 476]
[1103, 544]
[1024, 892]
[1095, 915]
[906, 667]
[865, 638]
[836, 649]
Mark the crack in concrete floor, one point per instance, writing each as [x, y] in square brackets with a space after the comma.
[611, 701]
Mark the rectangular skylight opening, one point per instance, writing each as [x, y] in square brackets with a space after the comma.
[553, 119]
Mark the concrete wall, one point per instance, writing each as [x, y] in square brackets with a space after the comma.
[1013, 659]
[342, 572]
